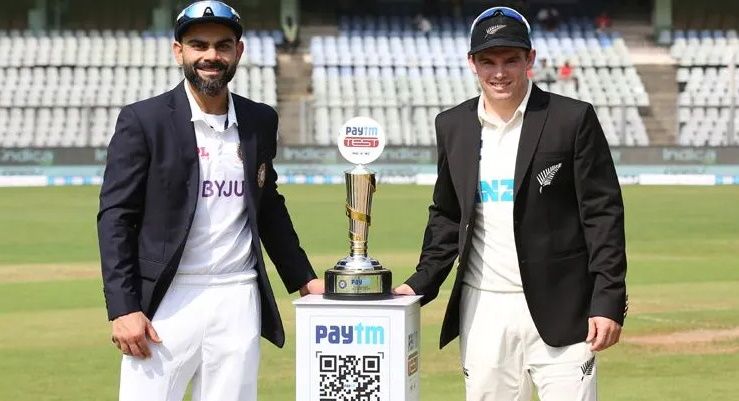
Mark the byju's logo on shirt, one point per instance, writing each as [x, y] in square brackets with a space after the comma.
[495, 191]
[222, 188]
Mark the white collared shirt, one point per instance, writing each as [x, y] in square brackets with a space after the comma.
[493, 262]
[220, 239]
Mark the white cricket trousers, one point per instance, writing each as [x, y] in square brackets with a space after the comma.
[210, 329]
[503, 356]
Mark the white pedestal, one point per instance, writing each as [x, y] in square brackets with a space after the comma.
[357, 350]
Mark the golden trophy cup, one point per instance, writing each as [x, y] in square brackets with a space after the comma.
[359, 276]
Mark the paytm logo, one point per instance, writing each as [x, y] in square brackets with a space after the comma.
[495, 191]
[357, 334]
[361, 131]
[361, 137]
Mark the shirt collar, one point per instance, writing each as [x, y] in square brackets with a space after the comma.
[199, 115]
[487, 118]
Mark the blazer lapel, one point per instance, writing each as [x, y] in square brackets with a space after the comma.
[184, 133]
[248, 143]
[471, 138]
[533, 123]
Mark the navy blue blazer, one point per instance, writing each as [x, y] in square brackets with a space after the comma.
[148, 198]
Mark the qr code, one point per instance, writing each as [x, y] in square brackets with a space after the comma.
[349, 377]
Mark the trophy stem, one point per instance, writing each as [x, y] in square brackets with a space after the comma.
[358, 249]
[360, 186]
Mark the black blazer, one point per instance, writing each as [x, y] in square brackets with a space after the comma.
[148, 199]
[569, 234]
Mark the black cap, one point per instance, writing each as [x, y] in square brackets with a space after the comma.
[207, 11]
[499, 31]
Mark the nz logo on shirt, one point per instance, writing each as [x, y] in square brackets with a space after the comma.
[495, 191]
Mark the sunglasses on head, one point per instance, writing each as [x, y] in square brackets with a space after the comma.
[202, 9]
[496, 11]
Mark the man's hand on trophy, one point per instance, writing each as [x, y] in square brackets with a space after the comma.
[403, 289]
[315, 286]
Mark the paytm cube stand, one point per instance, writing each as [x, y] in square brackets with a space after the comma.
[357, 349]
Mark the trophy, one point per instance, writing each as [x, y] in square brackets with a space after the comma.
[358, 276]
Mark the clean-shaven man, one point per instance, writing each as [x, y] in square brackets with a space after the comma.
[528, 199]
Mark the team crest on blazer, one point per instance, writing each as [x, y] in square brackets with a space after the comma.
[546, 176]
[261, 173]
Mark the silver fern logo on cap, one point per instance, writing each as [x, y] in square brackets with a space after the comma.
[493, 30]
[547, 175]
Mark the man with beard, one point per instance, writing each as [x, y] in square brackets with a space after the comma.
[189, 193]
[528, 199]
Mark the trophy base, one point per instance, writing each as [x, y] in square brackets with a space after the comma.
[358, 284]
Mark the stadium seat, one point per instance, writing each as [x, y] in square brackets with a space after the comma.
[420, 75]
[83, 78]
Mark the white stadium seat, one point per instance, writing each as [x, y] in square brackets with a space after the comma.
[420, 76]
[82, 78]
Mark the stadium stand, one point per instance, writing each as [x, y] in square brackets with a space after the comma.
[383, 67]
[65, 89]
[703, 48]
[704, 79]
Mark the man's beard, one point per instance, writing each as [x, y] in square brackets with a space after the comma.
[209, 86]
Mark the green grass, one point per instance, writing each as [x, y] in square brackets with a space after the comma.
[48, 225]
[683, 275]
